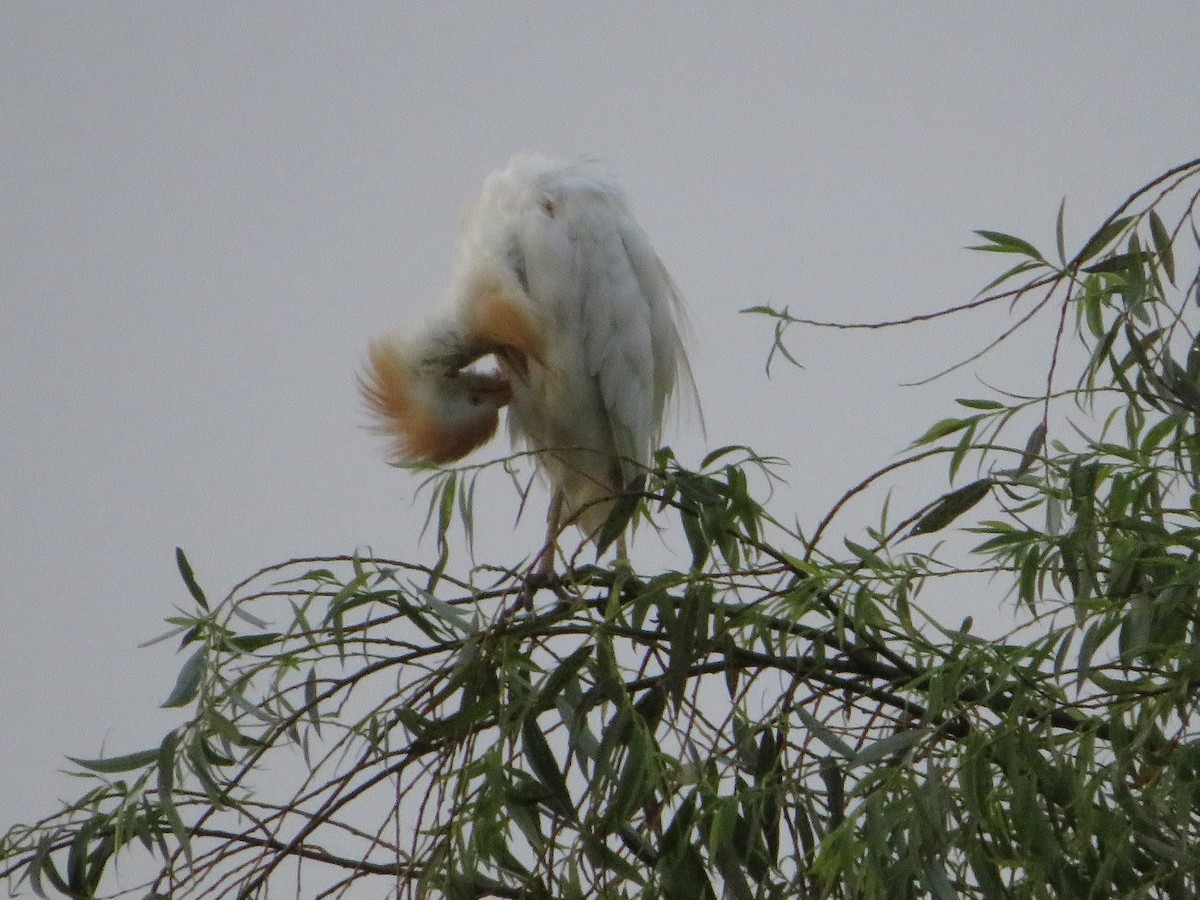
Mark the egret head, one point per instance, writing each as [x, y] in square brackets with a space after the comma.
[425, 399]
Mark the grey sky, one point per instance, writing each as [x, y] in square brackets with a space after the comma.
[207, 210]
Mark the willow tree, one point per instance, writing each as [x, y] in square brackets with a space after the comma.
[779, 716]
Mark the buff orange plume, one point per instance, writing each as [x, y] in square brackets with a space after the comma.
[406, 409]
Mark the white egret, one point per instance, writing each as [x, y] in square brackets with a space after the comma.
[554, 279]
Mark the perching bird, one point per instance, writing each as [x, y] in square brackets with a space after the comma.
[556, 281]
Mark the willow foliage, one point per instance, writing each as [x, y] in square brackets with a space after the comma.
[781, 715]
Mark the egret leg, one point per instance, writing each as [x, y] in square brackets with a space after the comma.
[544, 564]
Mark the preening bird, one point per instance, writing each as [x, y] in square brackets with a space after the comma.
[554, 280]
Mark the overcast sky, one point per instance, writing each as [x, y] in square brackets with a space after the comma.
[207, 210]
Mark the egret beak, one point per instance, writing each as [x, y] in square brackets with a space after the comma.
[490, 387]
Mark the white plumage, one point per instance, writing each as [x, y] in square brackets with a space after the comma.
[555, 278]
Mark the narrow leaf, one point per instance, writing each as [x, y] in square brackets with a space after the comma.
[1059, 232]
[166, 788]
[687, 632]
[951, 506]
[311, 696]
[965, 443]
[1162, 245]
[189, 578]
[694, 532]
[683, 875]
[187, 685]
[1122, 263]
[734, 879]
[600, 855]
[979, 404]
[113, 764]
[545, 766]
[1006, 243]
[43, 864]
[822, 731]
[714, 456]
[632, 787]
[1101, 239]
[1033, 447]
[446, 507]
[943, 428]
[165, 758]
[893, 743]
[567, 670]
[623, 509]
[237, 610]
[763, 311]
[1025, 265]
[651, 706]
[249, 643]
[449, 614]
[835, 790]
[870, 557]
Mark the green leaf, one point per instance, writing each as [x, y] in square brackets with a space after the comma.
[241, 613]
[1033, 447]
[1059, 231]
[165, 759]
[1123, 263]
[311, 698]
[633, 787]
[187, 685]
[1025, 265]
[980, 404]
[687, 633]
[567, 670]
[1160, 430]
[446, 506]
[1181, 385]
[965, 443]
[248, 643]
[76, 857]
[714, 456]
[112, 764]
[943, 428]
[1101, 239]
[823, 733]
[870, 557]
[763, 311]
[1162, 245]
[683, 875]
[951, 506]
[694, 532]
[199, 756]
[1006, 243]
[835, 790]
[651, 706]
[166, 789]
[885, 747]
[602, 856]
[732, 875]
[545, 767]
[1093, 315]
[624, 507]
[189, 579]
[43, 864]
[447, 613]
